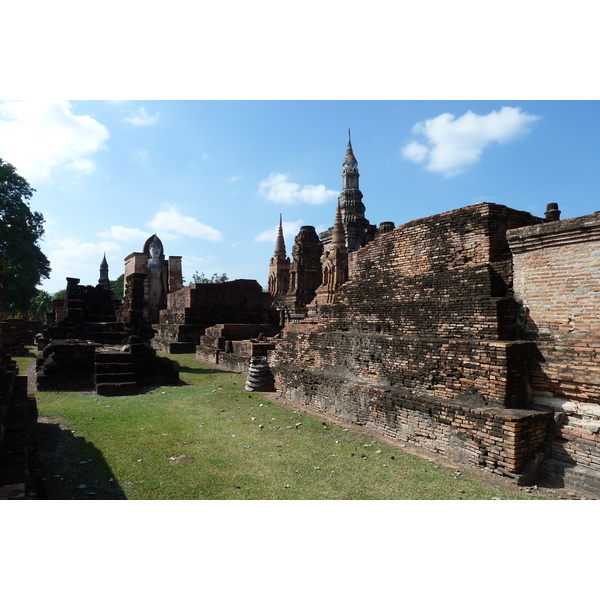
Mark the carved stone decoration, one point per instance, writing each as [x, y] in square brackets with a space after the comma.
[260, 378]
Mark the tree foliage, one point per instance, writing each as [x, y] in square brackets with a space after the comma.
[117, 286]
[40, 304]
[25, 265]
[215, 278]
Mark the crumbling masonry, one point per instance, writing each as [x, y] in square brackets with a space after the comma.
[474, 334]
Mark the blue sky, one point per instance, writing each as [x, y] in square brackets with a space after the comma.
[211, 177]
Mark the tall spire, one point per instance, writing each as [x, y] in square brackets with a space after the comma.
[280, 243]
[350, 164]
[104, 281]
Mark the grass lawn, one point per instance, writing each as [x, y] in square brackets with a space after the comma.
[211, 439]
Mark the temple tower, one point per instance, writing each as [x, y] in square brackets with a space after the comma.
[305, 272]
[334, 263]
[357, 229]
[104, 281]
[279, 267]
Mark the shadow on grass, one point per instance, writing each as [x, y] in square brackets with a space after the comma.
[73, 469]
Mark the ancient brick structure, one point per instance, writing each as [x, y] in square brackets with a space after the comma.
[163, 276]
[357, 229]
[233, 344]
[557, 281]
[279, 268]
[322, 264]
[19, 471]
[334, 264]
[89, 348]
[305, 272]
[19, 476]
[200, 305]
[424, 343]
[16, 334]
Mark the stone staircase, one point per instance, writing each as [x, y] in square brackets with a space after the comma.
[115, 374]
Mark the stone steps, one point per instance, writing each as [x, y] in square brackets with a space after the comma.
[115, 374]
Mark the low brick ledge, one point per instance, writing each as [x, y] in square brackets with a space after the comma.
[506, 443]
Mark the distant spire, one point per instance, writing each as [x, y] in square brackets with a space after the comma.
[104, 281]
[280, 243]
[350, 162]
[338, 237]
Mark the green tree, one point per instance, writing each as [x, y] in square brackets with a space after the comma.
[216, 278]
[117, 287]
[60, 295]
[40, 304]
[25, 265]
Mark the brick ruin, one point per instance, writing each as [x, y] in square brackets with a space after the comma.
[193, 309]
[19, 471]
[473, 334]
[98, 344]
[557, 282]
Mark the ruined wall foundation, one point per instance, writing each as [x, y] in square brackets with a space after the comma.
[424, 344]
[557, 281]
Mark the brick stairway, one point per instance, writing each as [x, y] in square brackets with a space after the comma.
[115, 374]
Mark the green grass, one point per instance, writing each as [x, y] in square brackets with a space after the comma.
[211, 439]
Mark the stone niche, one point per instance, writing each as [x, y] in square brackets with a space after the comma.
[423, 343]
[163, 276]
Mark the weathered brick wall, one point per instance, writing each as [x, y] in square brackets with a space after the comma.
[241, 301]
[499, 440]
[232, 344]
[18, 333]
[557, 279]
[19, 475]
[428, 317]
[200, 305]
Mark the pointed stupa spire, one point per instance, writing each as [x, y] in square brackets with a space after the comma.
[350, 162]
[104, 280]
[280, 243]
[338, 237]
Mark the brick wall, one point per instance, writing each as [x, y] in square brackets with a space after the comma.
[423, 343]
[200, 305]
[557, 279]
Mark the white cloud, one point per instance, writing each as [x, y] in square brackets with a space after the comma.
[451, 144]
[141, 118]
[124, 234]
[39, 137]
[290, 229]
[172, 221]
[277, 188]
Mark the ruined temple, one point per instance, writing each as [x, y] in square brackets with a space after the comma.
[357, 229]
[473, 334]
[320, 263]
[92, 342]
[163, 276]
[279, 268]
